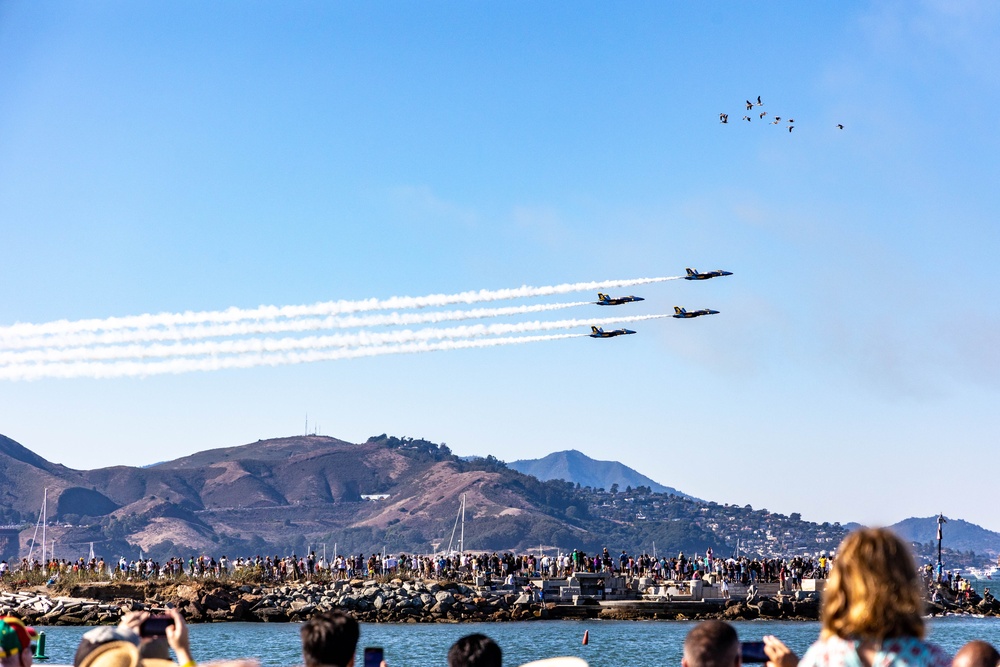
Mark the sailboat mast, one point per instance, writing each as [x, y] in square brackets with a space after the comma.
[45, 502]
[461, 541]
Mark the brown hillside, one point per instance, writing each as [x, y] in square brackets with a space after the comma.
[287, 491]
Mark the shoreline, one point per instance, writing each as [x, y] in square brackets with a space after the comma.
[396, 601]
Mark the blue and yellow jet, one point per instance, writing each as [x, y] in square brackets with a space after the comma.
[683, 314]
[598, 332]
[692, 274]
[605, 300]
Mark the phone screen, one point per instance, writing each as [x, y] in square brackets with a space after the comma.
[373, 656]
[751, 652]
[155, 626]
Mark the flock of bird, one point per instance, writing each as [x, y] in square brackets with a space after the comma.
[724, 117]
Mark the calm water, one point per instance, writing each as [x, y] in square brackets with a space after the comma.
[612, 643]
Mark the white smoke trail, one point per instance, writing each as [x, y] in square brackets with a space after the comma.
[274, 345]
[186, 365]
[198, 332]
[22, 330]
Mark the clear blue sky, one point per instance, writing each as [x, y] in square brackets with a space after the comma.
[172, 156]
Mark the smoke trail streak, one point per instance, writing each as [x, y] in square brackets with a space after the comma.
[186, 365]
[273, 345]
[273, 326]
[21, 330]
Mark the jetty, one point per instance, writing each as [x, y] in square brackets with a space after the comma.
[397, 600]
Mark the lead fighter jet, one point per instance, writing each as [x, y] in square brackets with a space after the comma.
[683, 314]
[605, 300]
[601, 333]
[692, 274]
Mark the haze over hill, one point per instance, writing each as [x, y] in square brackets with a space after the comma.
[577, 467]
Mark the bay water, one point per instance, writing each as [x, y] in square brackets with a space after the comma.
[612, 643]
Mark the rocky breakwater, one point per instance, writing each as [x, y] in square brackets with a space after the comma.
[41, 609]
[371, 601]
[393, 602]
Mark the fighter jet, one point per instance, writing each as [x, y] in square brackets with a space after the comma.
[605, 300]
[692, 274]
[601, 333]
[683, 314]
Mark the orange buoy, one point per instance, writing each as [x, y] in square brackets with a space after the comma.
[586, 637]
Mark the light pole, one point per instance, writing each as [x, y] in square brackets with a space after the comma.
[940, 522]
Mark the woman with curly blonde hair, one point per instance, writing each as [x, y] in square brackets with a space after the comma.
[872, 612]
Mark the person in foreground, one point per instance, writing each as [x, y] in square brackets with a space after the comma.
[872, 612]
[15, 643]
[475, 651]
[977, 653]
[330, 640]
[124, 644]
[712, 644]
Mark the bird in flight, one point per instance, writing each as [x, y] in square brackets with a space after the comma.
[839, 126]
[791, 127]
[759, 103]
[723, 118]
[749, 105]
[763, 113]
[746, 118]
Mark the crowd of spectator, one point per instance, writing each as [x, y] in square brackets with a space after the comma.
[872, 616]
[462, 567]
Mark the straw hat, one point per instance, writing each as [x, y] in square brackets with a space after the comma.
[112, 654]
[561, 661]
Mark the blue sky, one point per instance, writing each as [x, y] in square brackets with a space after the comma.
[165, 157]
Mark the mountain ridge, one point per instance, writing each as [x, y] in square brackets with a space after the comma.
[574, 466]
[958, 534]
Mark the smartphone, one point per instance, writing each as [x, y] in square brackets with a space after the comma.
[155, 626]
[752, 652]
[373, 656]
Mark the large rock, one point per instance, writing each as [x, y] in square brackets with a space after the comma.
[271, 615]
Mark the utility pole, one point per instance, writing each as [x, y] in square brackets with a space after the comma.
[940, 522]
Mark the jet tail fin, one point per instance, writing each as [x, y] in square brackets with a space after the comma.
[596, 330]
[602, 297]
[691, 272]
[678, 310]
